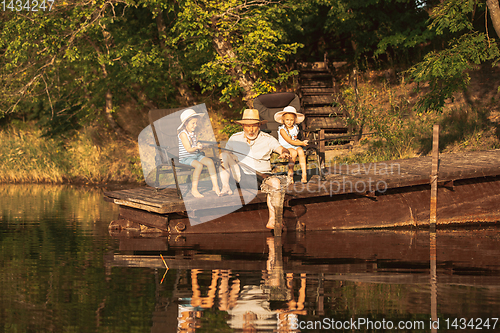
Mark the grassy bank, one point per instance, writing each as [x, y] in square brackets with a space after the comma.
[91, 156]
[386, 111]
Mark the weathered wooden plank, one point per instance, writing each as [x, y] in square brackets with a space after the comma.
[315, 75]
[316, 83]
[322, 111]
[313, 66]
[306, 91]
[150, 220]
[138, 206]
[325, 123]
[318, 100]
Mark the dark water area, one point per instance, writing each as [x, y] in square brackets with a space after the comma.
[62, 271]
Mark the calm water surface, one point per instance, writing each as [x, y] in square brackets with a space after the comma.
[62, 271]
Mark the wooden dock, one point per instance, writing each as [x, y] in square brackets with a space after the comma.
[373, 195]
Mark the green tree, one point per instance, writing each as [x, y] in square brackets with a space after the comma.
[390, 31]
[80, 60]
[243, 41]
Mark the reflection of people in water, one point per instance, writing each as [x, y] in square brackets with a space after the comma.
[249, 305]
[189, 318]
[288, 311]
[227, 298]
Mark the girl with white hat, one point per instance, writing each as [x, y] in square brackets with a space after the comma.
[190, 152]
[287, 137]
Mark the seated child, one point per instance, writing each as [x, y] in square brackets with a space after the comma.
[190, 154]
[287, 137]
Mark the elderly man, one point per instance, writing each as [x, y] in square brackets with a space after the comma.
[248, 155]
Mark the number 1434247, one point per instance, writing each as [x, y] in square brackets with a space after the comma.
[28, 5]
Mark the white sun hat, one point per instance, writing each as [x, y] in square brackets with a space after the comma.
[278, 116]
[186, 115]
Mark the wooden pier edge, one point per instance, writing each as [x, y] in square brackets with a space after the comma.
[464, 204]
[468, 189]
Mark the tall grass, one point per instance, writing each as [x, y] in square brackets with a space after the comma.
[90, 156]
[398, 131]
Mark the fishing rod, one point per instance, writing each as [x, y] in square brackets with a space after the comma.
[339, 137]
[243, 165]
[215, 143]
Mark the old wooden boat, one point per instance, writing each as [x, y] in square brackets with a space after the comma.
[375, 195]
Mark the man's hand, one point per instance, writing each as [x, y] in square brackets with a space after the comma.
[285, 154]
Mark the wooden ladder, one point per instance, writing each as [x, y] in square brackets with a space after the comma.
[317, 92]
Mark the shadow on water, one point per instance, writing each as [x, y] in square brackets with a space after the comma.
[62, 271]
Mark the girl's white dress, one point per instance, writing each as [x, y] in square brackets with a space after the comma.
[293, 133]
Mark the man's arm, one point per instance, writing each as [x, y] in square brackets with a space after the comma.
[284, 153]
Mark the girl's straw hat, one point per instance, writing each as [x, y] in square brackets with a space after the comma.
[186, 115]
[299, 117]
[251, 116]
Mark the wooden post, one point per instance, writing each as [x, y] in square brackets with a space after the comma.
[432, 225]
[322, 150]
[434, 291]
[434, 177]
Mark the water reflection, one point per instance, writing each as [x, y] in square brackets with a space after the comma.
[61, 271]
[260, 283]
[34, 203]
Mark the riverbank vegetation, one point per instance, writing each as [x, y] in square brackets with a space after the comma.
[88, 156]
[77, 81]
[394, 127]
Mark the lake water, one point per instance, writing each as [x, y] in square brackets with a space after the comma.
[62, 271]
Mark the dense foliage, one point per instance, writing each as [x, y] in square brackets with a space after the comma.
[80, 61]
[469, 43]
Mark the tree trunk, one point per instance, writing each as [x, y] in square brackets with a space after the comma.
[225, 50]
[108, 113]
[108, 108]
[494, 9]
[183, 89]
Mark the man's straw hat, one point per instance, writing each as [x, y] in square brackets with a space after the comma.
[278, 116]
[251, 116]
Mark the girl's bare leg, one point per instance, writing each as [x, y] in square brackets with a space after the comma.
[303, 165]
[224, 177]
[291, 164]
[196, 178]
[213, 175]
